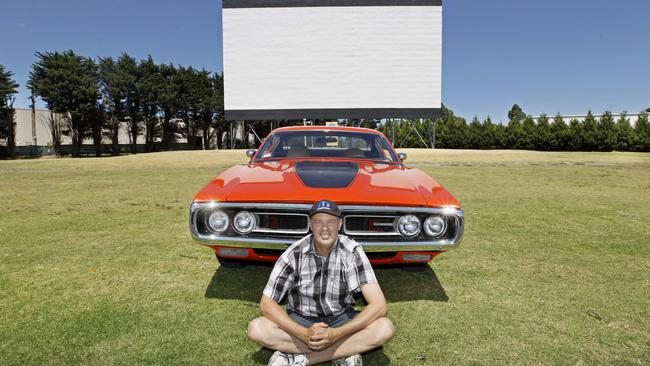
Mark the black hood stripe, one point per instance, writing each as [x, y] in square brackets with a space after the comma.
[316, 174]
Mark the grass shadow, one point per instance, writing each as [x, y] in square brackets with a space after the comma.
[261, 356]
[247, 283]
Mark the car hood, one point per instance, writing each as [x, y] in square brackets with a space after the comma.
[344, 182]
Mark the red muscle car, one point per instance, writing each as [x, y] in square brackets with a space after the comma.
[253, 212]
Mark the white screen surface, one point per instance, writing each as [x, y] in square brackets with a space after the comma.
[332, 62]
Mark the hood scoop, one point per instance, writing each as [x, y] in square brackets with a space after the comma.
[316, 174]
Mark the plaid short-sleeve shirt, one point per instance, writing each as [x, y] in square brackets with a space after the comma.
[320, 286]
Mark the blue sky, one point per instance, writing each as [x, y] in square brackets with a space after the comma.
[547, 56]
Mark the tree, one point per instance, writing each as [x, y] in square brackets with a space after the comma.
[476, 138]
[187, 103]
[443, 131]
[130, 74]
[514, 134]
[499, 135]
[114, 82]
[560, 134]
[624, 134]
[97, 117]
[589, 137]
[168, 103]
[452, 132]
[206, 108]
[8, 88]
[54, 123]
[516, 113]
[150, 86]
[459, 133]
[642, 129]
[530, 135]
[68, 85]
[576, 142]
[544, 137]
[220, 121]
[211, 117]
[606, 132]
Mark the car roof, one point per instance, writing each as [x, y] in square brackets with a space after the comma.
[327, 128]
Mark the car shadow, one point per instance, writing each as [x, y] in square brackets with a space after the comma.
[407, 285]
[247, 283]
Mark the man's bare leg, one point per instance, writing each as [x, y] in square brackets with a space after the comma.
[376, 334]
[267, 334]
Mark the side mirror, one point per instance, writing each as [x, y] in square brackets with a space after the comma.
[402, 156]
[250, 153]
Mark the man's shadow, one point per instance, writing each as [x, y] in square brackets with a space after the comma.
[247, 283]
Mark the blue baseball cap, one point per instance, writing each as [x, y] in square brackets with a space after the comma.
[325, 206]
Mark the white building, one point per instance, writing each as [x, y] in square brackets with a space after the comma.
[632, 117]
[38, 131]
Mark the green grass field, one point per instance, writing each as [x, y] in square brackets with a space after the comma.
[97, 266]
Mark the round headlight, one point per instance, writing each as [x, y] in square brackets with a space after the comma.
[244, 222]
[435, 226]
[408, 226]
[218, 221]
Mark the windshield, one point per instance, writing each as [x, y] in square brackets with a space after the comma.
[321, 144]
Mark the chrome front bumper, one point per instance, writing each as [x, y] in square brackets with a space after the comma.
[398, 244]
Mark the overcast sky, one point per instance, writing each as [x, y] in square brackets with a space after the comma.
[547, 56]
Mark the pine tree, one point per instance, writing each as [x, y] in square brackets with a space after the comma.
[530, 134]
[590, 133]
[476, 135]
[543, 137]
[606, 134]
[516, 113]
[624, 134]
[576, 140]
[559, 134]
[642, 129]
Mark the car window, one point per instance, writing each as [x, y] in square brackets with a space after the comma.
[354, 145]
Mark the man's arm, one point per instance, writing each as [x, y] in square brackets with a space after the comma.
[376, 309]
[275, 313]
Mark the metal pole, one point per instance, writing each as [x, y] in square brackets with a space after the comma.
[433, 145]
[34, 142]
[420, 136]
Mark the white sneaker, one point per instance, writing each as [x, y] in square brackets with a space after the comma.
[278, 359]
[354, 360]
[297, 359]
[287, 359]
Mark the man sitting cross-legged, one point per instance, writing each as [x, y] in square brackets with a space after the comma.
[319, 273]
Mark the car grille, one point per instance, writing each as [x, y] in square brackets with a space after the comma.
[369, 225]
[282, 223]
